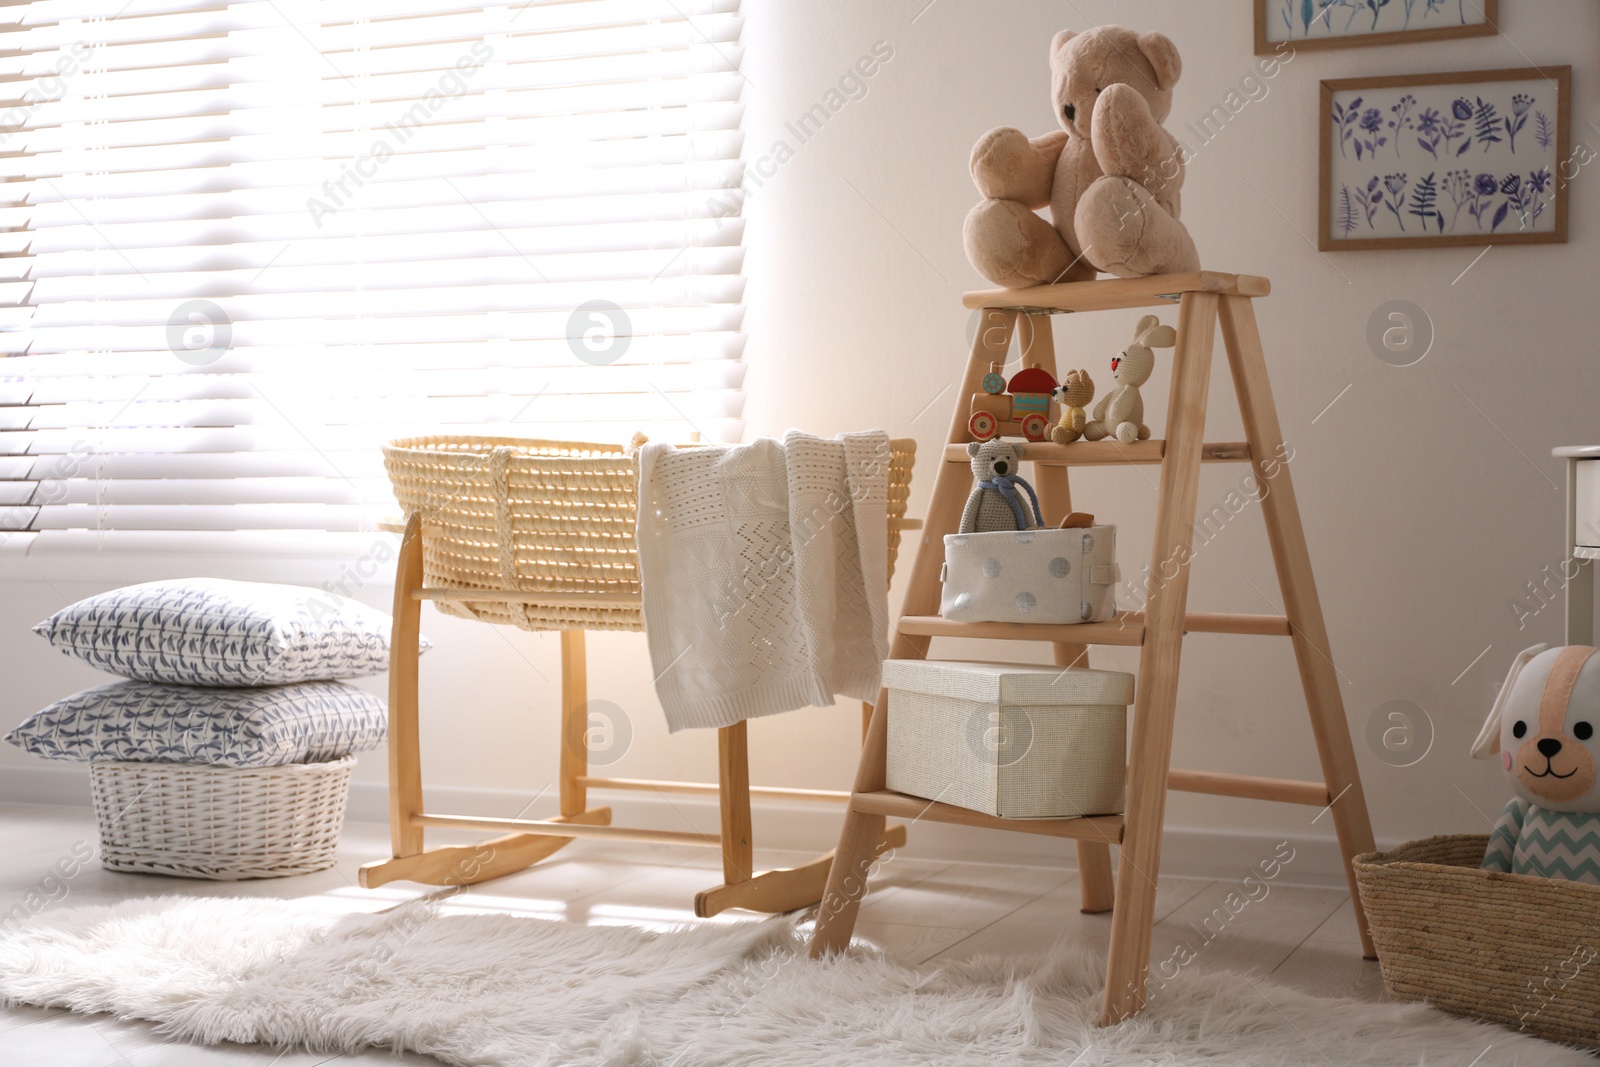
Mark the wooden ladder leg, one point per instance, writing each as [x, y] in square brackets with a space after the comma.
[858, 840]
[1155, 697]
[1271, 456]
[574, 723]
[405, 755]
[733, 792]
[1055, 500]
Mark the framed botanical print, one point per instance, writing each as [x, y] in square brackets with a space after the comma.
[1350, 23]
[1429, 160]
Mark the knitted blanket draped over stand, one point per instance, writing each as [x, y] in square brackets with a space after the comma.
[764, 572]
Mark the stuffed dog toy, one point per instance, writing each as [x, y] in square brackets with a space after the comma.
[1543, 727]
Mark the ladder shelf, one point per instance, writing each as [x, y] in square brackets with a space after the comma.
[1205, 300]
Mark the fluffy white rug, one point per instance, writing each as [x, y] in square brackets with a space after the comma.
[497, 990]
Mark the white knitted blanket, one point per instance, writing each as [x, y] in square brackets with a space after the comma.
[764, 574]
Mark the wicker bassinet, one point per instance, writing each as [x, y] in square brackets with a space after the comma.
[557, 517]
[1508, 948]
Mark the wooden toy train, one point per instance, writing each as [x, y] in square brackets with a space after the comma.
[1025, 411]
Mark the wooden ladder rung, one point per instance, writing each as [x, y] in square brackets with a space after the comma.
[1216, 622]
[1248, 787]
[1126, 629]
[1105, 828]
[1156, 290]
[1110, 453]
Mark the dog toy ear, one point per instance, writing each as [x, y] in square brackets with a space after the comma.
[1487, 746]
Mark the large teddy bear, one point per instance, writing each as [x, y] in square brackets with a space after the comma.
[1111, 178]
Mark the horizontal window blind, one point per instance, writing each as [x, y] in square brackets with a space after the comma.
[241, 245]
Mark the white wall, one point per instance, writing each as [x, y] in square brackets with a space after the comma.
[1428, 492]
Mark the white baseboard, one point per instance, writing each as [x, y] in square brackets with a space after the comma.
[792, 825]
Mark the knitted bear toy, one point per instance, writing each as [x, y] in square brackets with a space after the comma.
[995, 503]
[1073, 394]
[1543, 729]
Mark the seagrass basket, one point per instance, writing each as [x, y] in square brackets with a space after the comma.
[536, 516]
[222, 823]
[1507, 948]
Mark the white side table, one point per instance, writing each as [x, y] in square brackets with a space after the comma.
[1583, 537]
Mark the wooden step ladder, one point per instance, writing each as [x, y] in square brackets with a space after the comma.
[1203, 298]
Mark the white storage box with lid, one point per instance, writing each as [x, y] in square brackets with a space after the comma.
[1048, 575]
[1017, 740]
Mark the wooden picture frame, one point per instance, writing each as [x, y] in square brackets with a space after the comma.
[1426, 148]
[1273, 16]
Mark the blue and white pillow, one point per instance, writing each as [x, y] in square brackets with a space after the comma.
[211, 631]
[147, 722]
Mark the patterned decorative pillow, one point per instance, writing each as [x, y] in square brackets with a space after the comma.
[147, 722]
[211, 631]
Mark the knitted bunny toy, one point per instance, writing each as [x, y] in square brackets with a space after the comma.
[1120, 413]
[995, 503]
[1543, 728]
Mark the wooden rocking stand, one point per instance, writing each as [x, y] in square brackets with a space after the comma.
[1202, 298]
[523, 842]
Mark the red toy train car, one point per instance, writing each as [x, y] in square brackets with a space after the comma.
[1025, 411]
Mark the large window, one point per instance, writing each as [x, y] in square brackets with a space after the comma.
[245, 244]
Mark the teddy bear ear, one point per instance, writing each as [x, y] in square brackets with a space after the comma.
[1163, 56]
[1058, 42]
[1487, 744]
[972, 448]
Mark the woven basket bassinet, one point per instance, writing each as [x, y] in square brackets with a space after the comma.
[558, 517]
[223, 823]
[1508, 948]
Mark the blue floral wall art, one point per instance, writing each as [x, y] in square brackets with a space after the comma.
[1442, 159]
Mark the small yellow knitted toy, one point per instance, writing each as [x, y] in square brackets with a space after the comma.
[1074, 394]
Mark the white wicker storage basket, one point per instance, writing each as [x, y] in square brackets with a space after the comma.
[223, 823]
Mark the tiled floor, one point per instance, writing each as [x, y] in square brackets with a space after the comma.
[917, 911]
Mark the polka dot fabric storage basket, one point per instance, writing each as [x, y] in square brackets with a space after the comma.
[1020, 741]
[222, 823]
[1049, 576]
[1506, 948]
